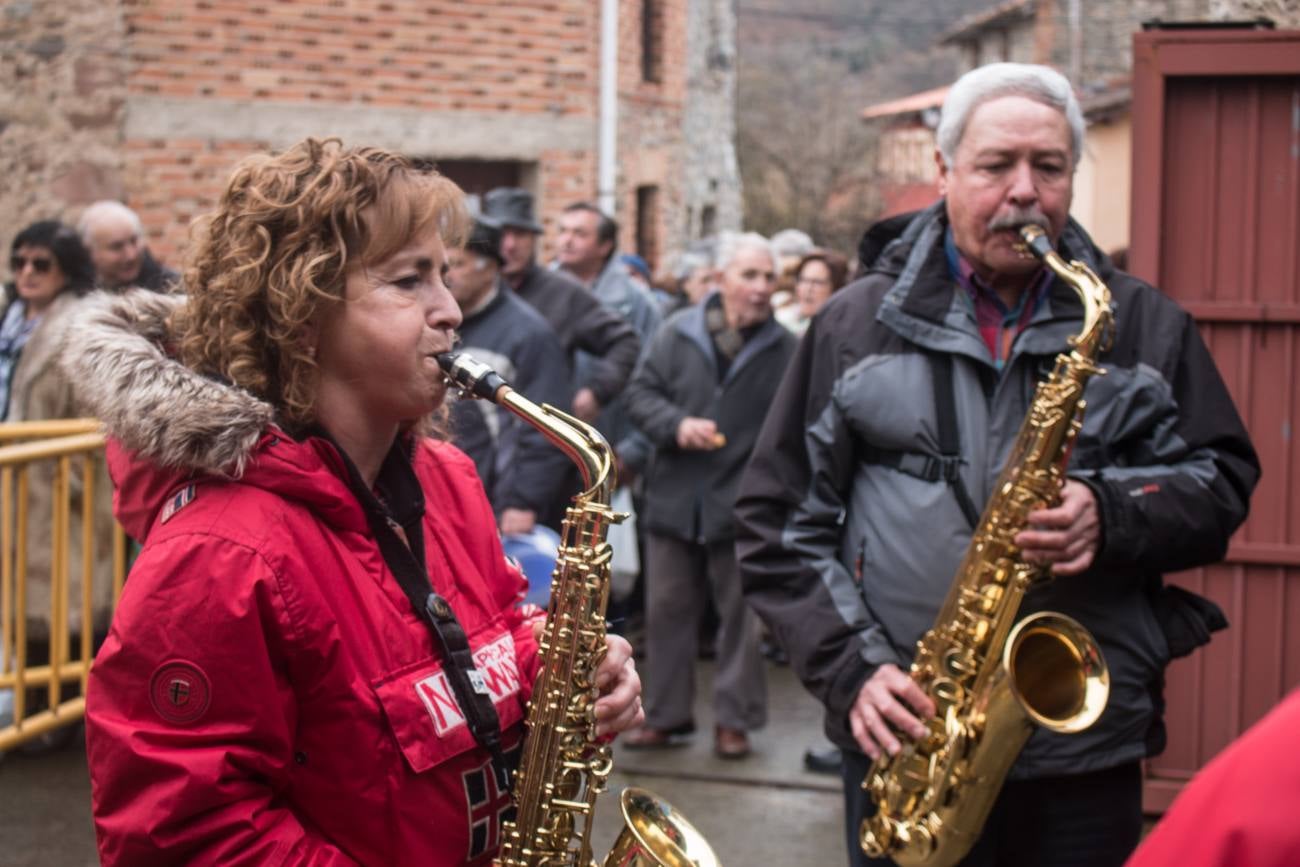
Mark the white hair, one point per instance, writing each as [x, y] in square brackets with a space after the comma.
[689, 261]
[792, 242]
[1039, 83]
[106, 208]
[730, 244]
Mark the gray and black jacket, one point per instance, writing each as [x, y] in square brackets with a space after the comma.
[848, 560]
[690, 494]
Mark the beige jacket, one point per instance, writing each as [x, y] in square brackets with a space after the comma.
[39, 390]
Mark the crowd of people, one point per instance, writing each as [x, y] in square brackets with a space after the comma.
[805, 438]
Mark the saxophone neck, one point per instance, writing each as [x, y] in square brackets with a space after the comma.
[1098, 319]
[582, 443]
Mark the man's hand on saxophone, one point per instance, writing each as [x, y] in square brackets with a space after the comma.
[1065, 536]
[878, 716]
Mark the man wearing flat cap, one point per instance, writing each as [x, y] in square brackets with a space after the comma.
[565, 303]
[526, 478]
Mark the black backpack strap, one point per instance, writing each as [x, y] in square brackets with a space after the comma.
[927, 467]
[917, 464]
[945, 412]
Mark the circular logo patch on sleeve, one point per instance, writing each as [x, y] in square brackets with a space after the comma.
[180, 692]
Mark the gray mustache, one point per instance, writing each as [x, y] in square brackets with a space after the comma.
[1018, 217]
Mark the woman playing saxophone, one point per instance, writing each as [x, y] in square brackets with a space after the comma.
[318, 658]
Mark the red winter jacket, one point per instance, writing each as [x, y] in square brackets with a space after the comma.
[268, 696]
[1242, 809]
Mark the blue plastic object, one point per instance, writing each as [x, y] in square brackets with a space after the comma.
[535, 553]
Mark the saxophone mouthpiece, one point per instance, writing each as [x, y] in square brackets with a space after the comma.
[471, 376]
[1036, 240]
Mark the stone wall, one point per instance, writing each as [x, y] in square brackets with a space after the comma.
[1284, 13]
[1108, 28]
[712, 175]
[62, 96]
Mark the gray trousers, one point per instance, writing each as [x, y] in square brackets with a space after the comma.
[680, 577]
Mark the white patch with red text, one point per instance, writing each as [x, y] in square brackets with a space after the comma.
[500, 679]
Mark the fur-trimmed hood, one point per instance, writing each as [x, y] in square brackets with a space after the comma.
[151, 403]
[169, 426]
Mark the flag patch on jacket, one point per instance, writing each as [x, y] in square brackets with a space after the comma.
[179, 501]
[488, 805]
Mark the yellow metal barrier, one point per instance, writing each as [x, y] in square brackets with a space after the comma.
[59, 444]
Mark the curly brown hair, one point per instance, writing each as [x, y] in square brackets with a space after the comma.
[274, 257]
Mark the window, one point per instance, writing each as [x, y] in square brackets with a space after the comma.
[708, 221]
[647, 225]
[476, 177]
[652, 34]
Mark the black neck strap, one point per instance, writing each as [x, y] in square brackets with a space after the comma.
[396, 519]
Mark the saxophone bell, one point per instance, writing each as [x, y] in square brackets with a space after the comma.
[656, 835]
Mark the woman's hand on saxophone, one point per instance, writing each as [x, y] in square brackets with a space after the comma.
[619, 706]
[878, 715]
[1065, 536]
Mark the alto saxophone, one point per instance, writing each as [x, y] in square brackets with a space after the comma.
[564, 768]
[992, 679]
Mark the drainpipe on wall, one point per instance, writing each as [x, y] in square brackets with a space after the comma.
[1076, 44]
[607, 172]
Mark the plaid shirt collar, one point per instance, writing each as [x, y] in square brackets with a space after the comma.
[999, 325]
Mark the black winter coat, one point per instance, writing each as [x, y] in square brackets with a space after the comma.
[582, 322]
[691, 494]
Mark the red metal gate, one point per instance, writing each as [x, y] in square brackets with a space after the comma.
[1216, 225]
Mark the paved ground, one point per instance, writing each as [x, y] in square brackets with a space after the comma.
[762, 810]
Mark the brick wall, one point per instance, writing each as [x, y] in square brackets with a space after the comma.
[213, 80]
[650, 116]
[154, 101]
[527, 56]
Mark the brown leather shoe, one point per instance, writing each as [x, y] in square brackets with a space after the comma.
[729, 743]
[647, 738]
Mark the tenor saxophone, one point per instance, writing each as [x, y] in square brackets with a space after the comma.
[564, 767]
[993, 679]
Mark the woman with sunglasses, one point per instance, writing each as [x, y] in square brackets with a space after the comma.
[51, 271]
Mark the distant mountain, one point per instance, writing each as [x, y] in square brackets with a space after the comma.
[887, 48]
[805, 69]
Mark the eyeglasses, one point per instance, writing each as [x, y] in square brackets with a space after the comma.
[40, 264]
[814, 281]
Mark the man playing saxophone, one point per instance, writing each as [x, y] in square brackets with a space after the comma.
[896, 417]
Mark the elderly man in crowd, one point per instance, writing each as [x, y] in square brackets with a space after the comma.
[115, 237]
[848, 540]
[698, 395]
